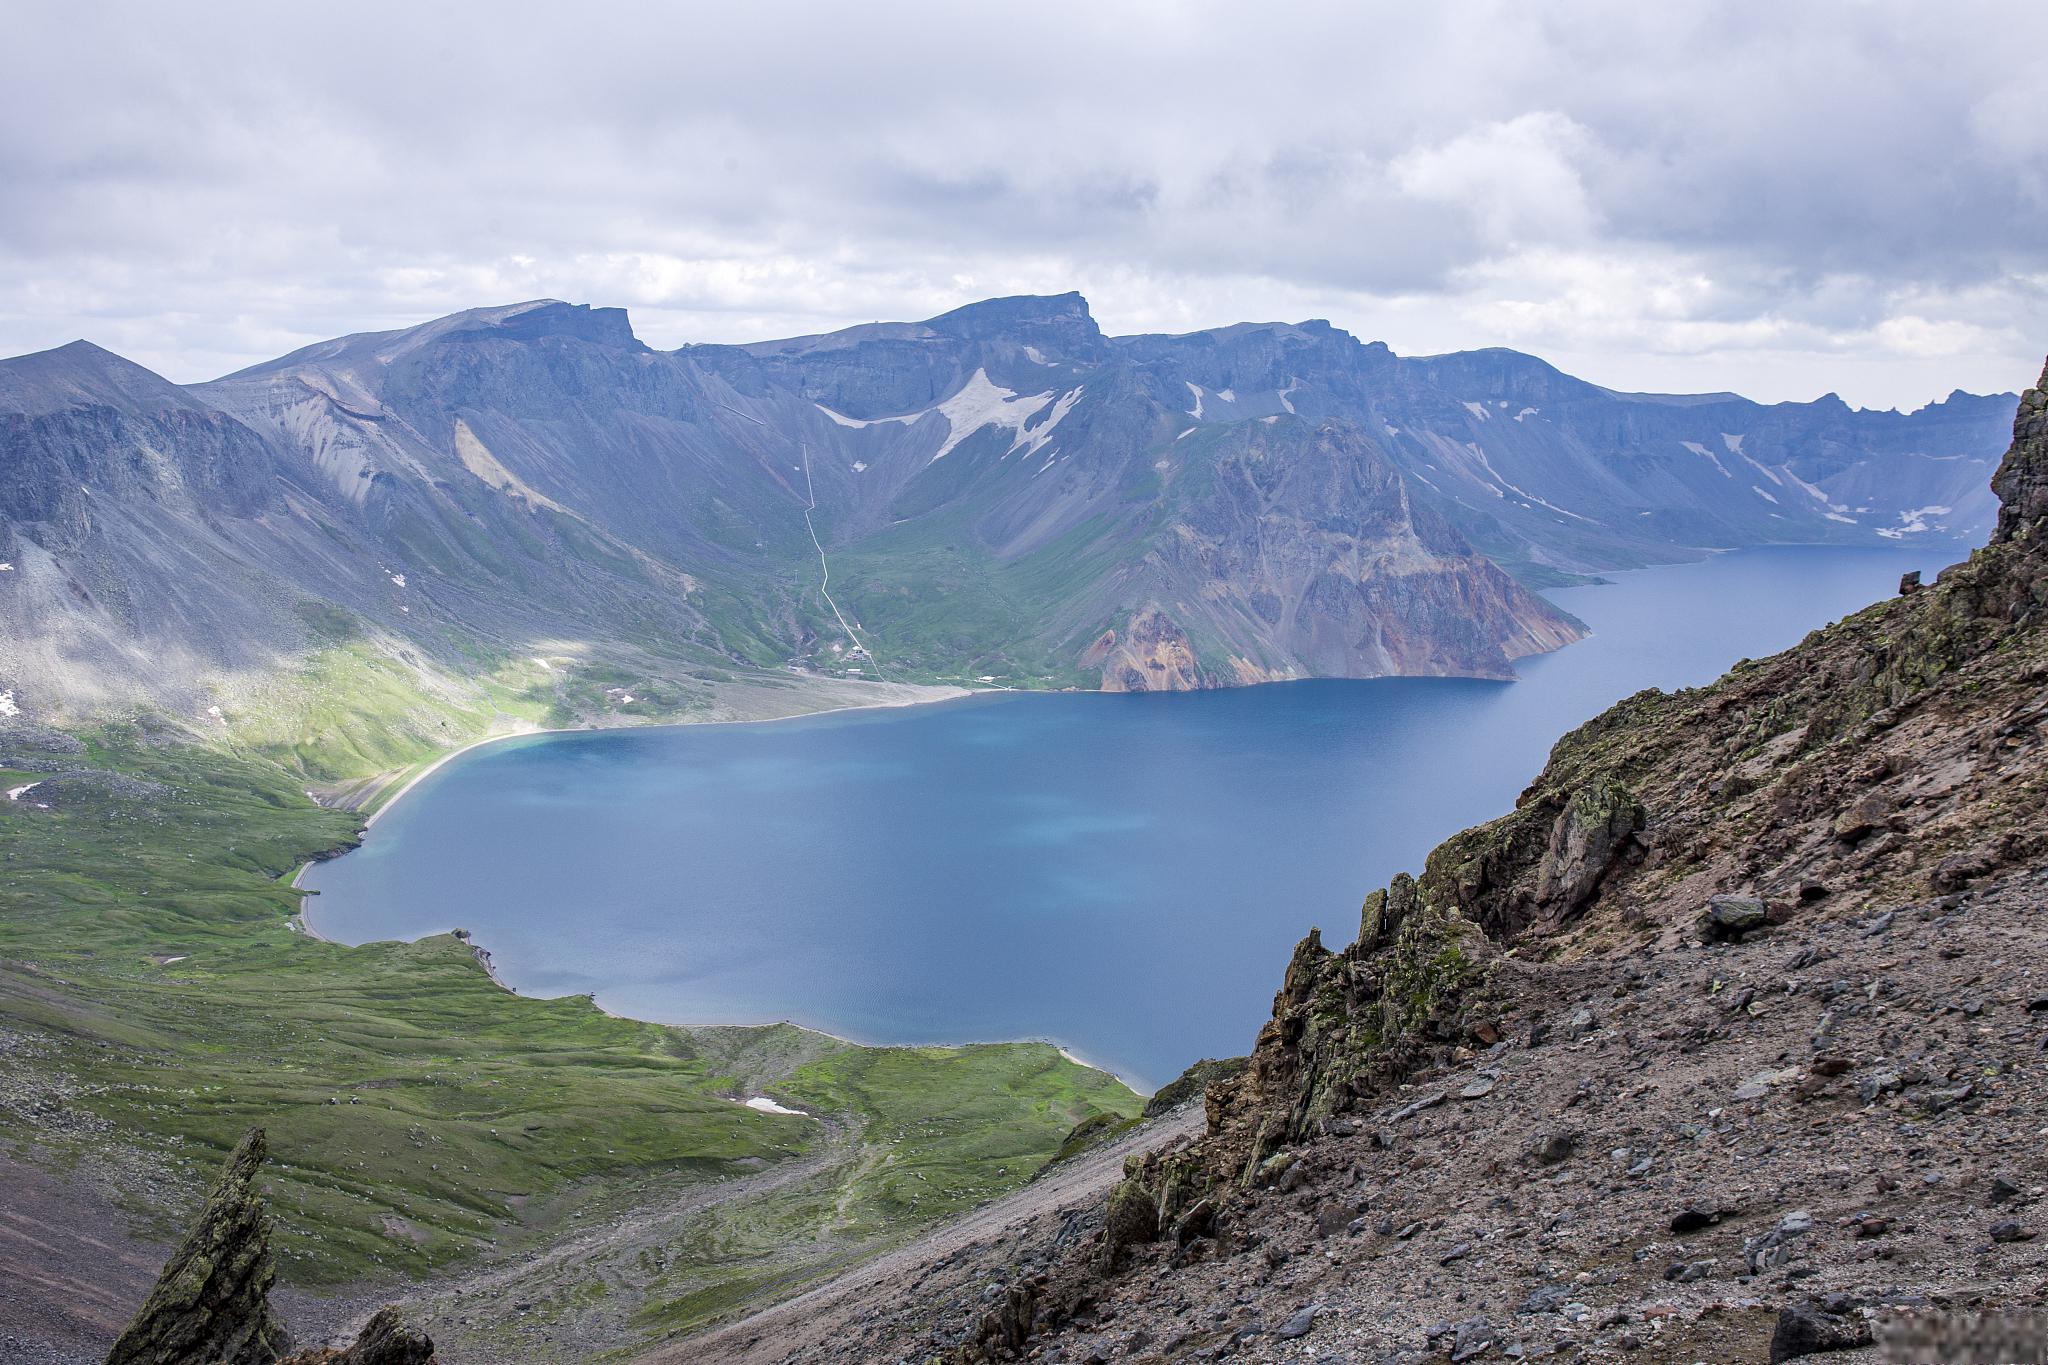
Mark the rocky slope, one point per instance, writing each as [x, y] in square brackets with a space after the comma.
[1725, 1044]
[1002, 491]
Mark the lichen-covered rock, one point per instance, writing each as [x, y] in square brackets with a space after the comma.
[1132, 1219]
[385, 1340]
[212, 1302]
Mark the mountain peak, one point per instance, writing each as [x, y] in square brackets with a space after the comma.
[82, 374]
[543, 318]
[1058, 322]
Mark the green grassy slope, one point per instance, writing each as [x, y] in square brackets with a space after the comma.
[155, 1001]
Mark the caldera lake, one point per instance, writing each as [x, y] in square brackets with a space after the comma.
[1124, 875]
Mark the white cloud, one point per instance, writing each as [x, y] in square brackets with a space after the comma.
[1793, 199]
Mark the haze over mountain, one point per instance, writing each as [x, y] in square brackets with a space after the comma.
[1001, 492]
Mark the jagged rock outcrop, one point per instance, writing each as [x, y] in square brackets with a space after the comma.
[212, 1304]
[2021, 482]
[213, 1301]
[1900, 755]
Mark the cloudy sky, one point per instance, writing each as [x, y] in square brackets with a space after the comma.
[1778, 199]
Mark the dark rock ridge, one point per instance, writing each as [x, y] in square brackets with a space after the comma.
[1732, 934]
[1002, 491]
[212, 1304]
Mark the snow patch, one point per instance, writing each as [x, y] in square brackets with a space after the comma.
[1185, 434]
[1196, 390]
[1763, 471]
[763, 1105]
[1760, 493]
[7, 706]
[16, 793]
[1031, 441]
[1227, 395]
[1525, 412]
[980, 403]
[857, 423]
[399, 579]
[1914, 520]
[6, 568]
[1270, 420]
[1477, 410]
[1293, 386]
[1037, 356]
[1837, 516]
[860, 466]
[1696, 448]
[1733, 442]
[1392, 431]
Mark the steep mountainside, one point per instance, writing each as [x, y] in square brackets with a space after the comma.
[1723, 1045]
[999, 492]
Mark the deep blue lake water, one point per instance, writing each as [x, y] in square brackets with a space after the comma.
[1124, 875]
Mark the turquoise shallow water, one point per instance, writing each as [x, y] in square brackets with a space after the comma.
[1122, 874]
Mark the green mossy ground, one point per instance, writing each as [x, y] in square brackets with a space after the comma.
[418, 1114]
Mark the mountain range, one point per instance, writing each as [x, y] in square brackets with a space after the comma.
[530, 496]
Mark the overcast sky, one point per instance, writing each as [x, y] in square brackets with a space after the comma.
[1781, 199]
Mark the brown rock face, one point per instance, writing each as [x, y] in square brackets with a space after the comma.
[2022, 478]
[213, 1300]
[1154, 655]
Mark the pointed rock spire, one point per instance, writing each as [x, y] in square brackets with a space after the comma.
[2022, 478]
[212, 1302]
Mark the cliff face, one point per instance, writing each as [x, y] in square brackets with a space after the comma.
[1782, 836]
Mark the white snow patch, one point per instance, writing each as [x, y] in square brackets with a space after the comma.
[762, 1104]
[1392, 431]
[399, 579]
[1760, 493]
[1477, 410]
[858, 422]
[1525, 412]
[6, 568]
[1270, 420]
[169, 960]
[1837, 516]
[1696, 448]
[1816, 494]
[1734, 442]
[980, 403]
[860, 466]
[1227, 395]
[1521, 493]
[1196, 390]
[214, 711]
[16, 793]
[1037, 356]
[1293, 386]
[1185, 434]
[7, 706]
[1750, 460]
[1914, 520]
[1031, 441]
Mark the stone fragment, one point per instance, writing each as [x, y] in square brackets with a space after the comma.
[1727, 918]
[1805, 1330]
[1299, 1324]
